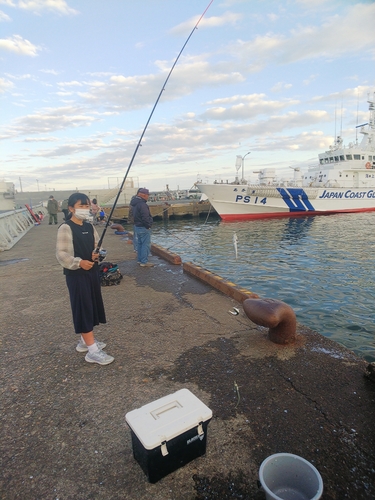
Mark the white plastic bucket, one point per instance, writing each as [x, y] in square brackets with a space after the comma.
[289, 477]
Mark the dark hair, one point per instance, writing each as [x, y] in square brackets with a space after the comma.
[94, 201]
[73, 198]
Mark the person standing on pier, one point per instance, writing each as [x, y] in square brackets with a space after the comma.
[64, 208]
[142, 226]
[52, 209]
[95, 209]
[75, 252]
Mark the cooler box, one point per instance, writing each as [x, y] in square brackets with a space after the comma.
[169, 433]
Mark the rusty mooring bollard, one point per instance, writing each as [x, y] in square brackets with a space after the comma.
[119, 229]
[274, 314]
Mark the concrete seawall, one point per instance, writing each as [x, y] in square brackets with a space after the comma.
[64, 432]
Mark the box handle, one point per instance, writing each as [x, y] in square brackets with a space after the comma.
[200, 429]
[159, 412]
[164, 450]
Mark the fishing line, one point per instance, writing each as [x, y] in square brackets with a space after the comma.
[182, 240]
[145, 128]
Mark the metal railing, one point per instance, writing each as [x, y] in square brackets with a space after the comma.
[14, 225]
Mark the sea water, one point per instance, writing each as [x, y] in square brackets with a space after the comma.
[322, 266]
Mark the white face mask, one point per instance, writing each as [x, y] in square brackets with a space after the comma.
[82, 213]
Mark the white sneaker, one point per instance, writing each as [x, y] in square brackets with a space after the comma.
[100, 357]
[82, 347]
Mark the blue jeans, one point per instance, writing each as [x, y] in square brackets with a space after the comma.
[144, 243]
[135, 240]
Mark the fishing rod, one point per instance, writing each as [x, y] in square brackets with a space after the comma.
[145, 128]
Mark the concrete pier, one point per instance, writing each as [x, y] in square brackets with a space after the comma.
[64, 434]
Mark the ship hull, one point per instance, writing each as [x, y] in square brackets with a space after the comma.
[239, 202]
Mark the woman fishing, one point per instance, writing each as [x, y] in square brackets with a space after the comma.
[75, 251]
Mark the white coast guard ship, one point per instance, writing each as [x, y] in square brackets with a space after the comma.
[343, 181]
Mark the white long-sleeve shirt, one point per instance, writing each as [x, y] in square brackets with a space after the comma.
[65, 250]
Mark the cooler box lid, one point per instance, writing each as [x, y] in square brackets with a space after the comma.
[167, 417]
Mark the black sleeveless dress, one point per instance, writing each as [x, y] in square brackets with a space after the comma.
[84, 286]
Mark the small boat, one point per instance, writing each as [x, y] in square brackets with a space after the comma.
[343, 181]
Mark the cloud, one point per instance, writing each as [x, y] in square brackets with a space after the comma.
[50, 120]
[50, 72]
[244, 107]
[18, 45]
[280, 86]
[25, 76]
[5, 85]
[41, 139]
[339, 35]
[135, 92]
[194, 139]
[230, 3]
[38, 6]
[67, 150]
[73, 83]
[208, 22]
[313, 3]
[4, 18]
[187, 140]
[311, 141]
[272, 17]
[310, 79]
[354, 93]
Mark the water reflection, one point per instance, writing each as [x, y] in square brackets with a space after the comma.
[297, 228]
[322, 266]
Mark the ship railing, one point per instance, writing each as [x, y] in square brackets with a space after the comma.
[273, 192]
[14, 225]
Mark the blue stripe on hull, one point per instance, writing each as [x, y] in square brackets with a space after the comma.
[296, 199]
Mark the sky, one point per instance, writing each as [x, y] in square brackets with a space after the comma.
[270, 81]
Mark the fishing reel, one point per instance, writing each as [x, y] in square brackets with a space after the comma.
[102, 254]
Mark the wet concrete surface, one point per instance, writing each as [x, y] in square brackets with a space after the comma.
[10, 262]
[64, 434]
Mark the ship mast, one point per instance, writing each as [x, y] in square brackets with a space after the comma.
[370, 132]
[372, 112]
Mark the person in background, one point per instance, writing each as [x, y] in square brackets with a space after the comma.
[142, 225]
[101, 216]
[52, 209]
[75, 252]
[95, 209]
[64, 209]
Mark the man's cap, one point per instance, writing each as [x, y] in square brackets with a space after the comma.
[143, 191]
[51, 196]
